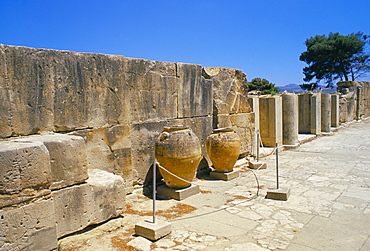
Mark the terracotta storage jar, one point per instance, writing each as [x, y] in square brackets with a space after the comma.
[223, 148]
[179, 151]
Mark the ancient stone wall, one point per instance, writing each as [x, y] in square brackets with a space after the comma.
[78, 130]
[118, 105]
[355, 100]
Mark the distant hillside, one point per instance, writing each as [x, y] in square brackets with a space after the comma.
[291, 88]
[297, 89]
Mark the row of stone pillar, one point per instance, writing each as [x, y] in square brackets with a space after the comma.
[281, 118]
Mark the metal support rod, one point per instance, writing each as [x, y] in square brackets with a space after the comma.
[154, 188]
[258, 145]
[277, 166]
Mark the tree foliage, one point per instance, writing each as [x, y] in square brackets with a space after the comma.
[309, 87]
[336, 57]
[262, 85]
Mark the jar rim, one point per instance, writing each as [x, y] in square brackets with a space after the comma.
[226, 129]
[174, 128]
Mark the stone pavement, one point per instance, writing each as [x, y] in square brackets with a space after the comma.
[328, 209]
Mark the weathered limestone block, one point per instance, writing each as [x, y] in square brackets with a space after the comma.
[316, 113]
[143, 138]
[243, 125]
[76, 207]
[309, 106]
[325, 112]
[335, 110]
[153, 92]
[67, 158]
[90, 90]
[254, 104]
[195, 92]
[290, 118]
[109, 149]
[23, 165]
[271, 127]
[364, 109]
[29, 227]
[304, 107]
[5, 113]
[61, 91]
[28, 77]
[227, 90]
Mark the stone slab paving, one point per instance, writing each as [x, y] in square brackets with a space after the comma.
[328, 207]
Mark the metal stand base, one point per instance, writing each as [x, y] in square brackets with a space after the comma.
[153, 231]
[257, 165]
[278, 194]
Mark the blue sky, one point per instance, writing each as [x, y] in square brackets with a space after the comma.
[264, 38]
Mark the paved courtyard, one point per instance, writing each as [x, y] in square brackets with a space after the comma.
[328, 207]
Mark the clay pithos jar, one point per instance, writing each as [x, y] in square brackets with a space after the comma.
[223, 148]
[178, 150]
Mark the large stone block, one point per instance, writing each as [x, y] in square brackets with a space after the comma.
[309, 112]
[109, 149]
[90, 90]
[23, 165]
[67, 158]
[153, 91]
[29, 79]
[271, 126]
[29, 227]
[60, 91]
[227, 87]
[5, 113]
[335, 110]
[76, 207]
[290, 118]
[195, 92]
[325, 112]
[316, 113]
[143, 137]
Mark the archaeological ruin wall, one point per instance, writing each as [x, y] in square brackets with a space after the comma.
[118, 105]
[77, 126]
[354, 101]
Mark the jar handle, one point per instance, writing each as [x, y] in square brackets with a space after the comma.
[164, 136]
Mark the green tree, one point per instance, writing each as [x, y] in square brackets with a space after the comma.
[262, 85]
[336, 57]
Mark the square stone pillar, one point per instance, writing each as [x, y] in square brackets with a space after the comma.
[316, 113]
[335, 110]
[271, 126]
[254, 104]
[309, 113]
[325, 112]
[290, 119]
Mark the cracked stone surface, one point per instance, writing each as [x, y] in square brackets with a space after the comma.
[328, 207]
